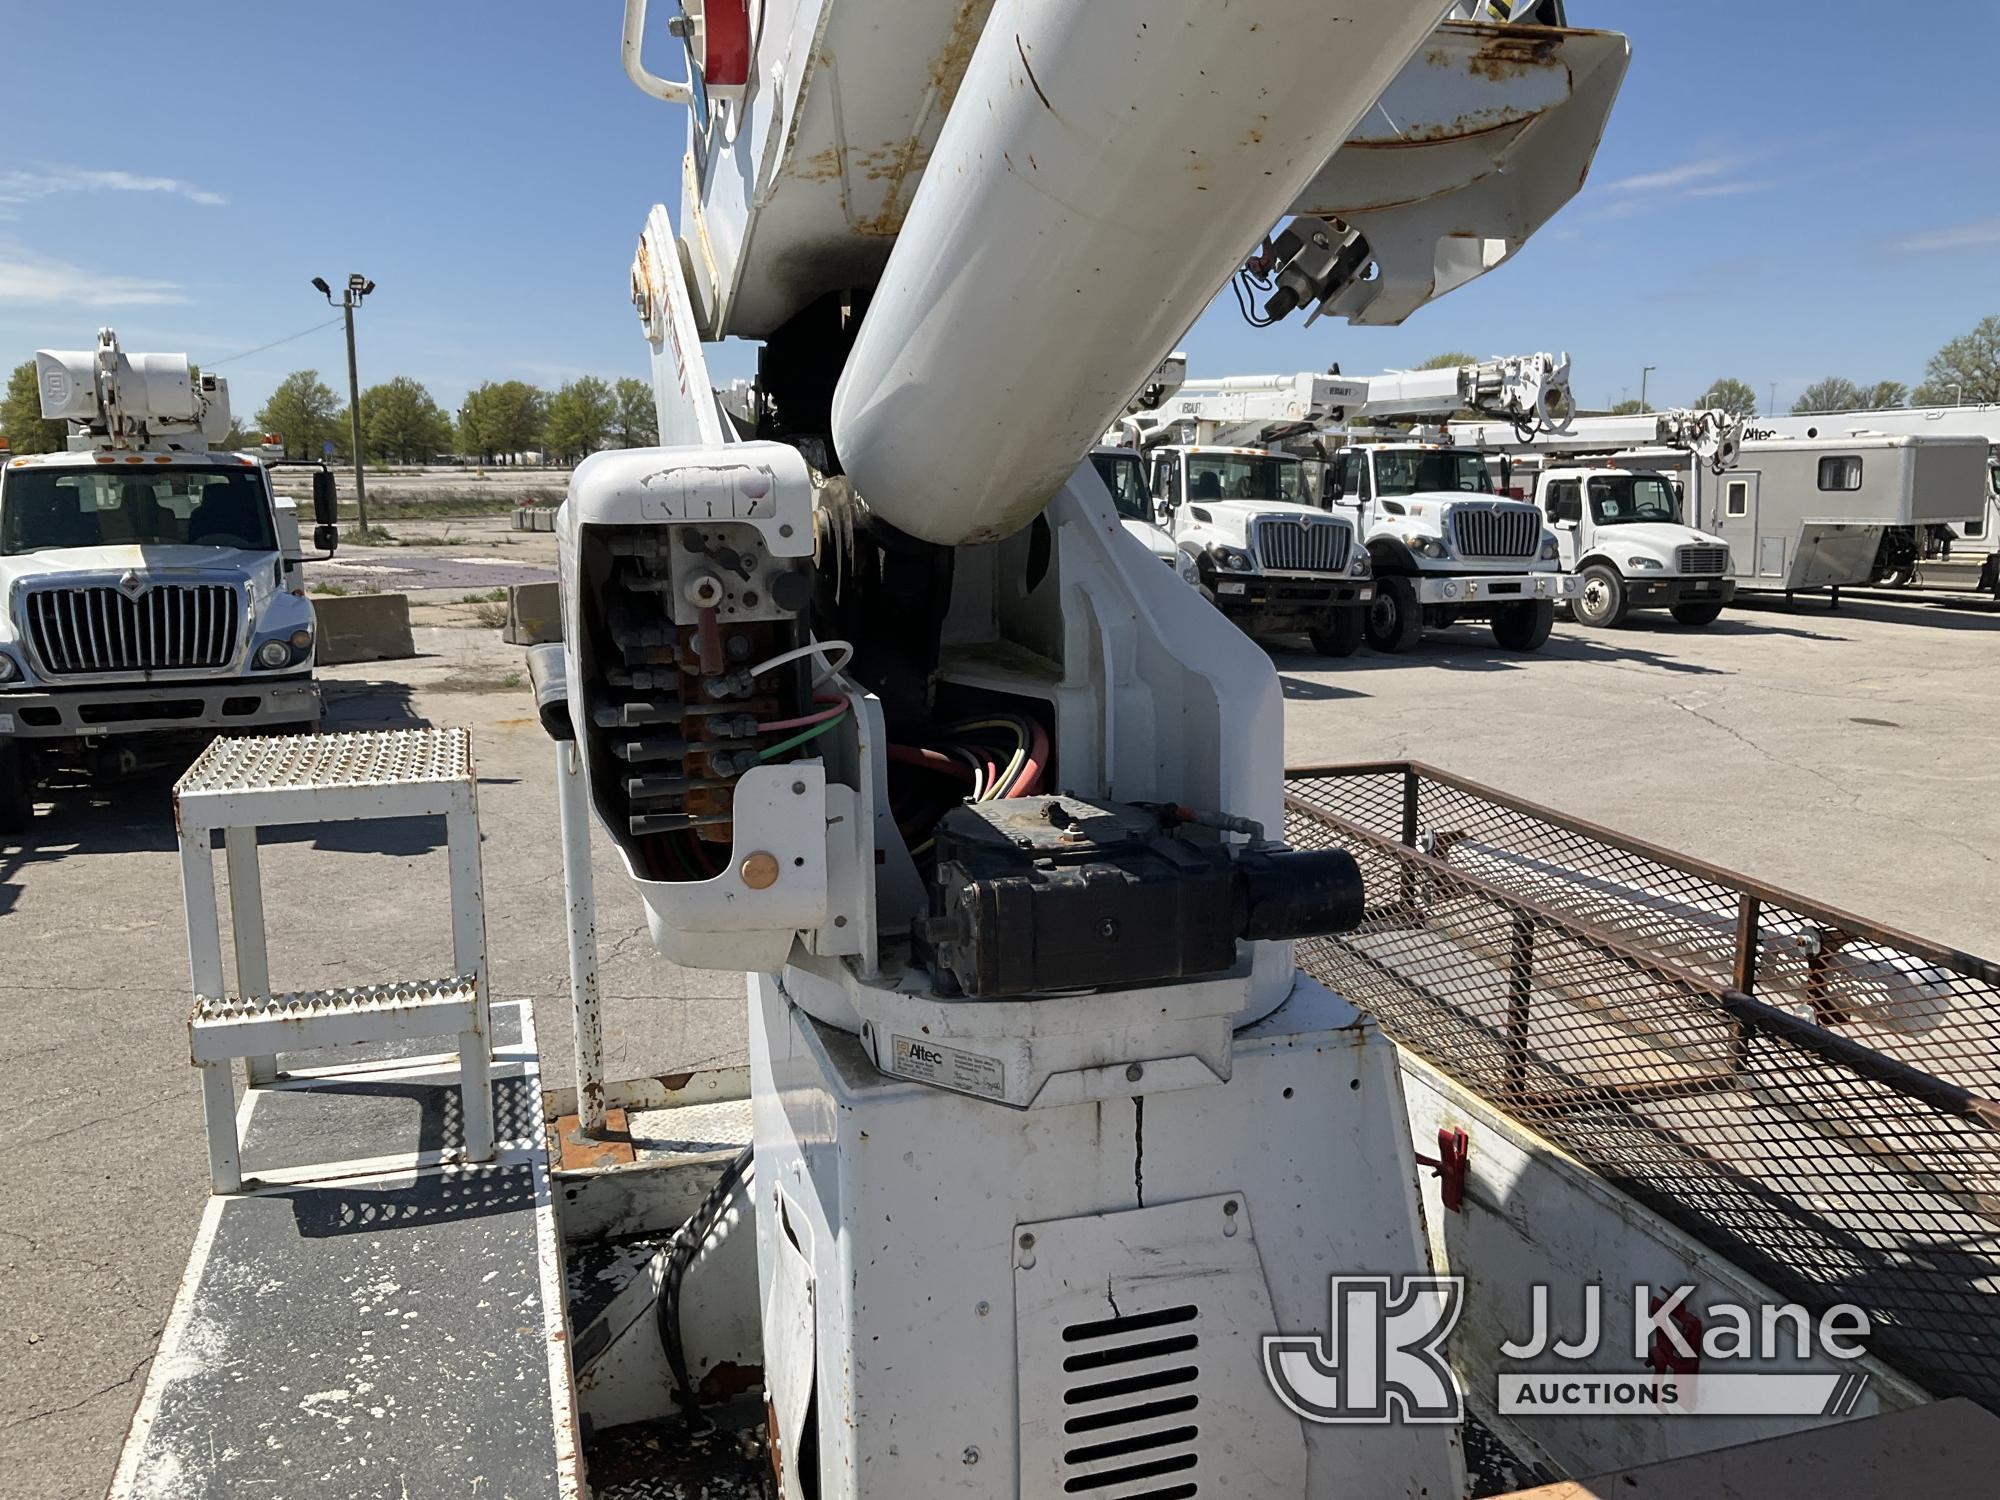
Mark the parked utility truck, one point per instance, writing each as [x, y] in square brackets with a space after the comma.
[1268, 558]
[1123, 471]
[151, 587]
[1623, 531]
[1444, 544]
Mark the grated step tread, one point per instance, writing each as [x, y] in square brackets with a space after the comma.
[329, 762]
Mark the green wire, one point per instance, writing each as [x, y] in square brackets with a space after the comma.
[799, 739]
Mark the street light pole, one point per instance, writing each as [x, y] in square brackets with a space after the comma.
[1642, 386]
[351, 295]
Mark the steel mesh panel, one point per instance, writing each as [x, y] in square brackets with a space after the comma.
[1831, 1131]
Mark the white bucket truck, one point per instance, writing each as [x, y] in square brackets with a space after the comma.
[1445, 543]
[1622, 530]
[150, 587]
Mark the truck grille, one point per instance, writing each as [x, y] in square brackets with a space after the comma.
[1512, 532]
[1302, 546]
[1704, 560]
[169, 627]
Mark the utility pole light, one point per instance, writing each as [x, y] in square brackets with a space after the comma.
[1642, 386]
[358, 287]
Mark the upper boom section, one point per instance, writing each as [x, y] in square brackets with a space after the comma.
[115, 400]
[1715, 437]
[1530, 393]
[1019, 206]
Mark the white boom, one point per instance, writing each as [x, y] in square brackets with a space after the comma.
[115, 400]
[1715, 437]
[1528, 392]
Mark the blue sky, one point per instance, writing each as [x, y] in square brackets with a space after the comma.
[1784, 192]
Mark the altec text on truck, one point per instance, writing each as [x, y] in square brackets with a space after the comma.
[149, 586]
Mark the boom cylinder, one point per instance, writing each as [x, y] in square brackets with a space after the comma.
[1103, 171]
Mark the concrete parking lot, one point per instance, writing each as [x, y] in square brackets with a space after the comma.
[1848, 754]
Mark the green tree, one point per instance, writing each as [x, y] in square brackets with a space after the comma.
[305, 414]
[637, 422]
[1628, 408]
[1967, 369]
[1835, 393]
[501, 418]
[580, 417]
[1732, 396]
[21, 415]
[1885, 395]
[1447, 361]
[402, 423]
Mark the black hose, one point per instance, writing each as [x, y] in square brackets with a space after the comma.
[688, 1240]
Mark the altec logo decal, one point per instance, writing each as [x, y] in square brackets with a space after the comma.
[1383, 1358]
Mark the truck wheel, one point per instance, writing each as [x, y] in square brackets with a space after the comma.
[1395, 621]
[1525, 626]
[17, 801]
[1341, 633]
[1600, 597]
[1697, 614]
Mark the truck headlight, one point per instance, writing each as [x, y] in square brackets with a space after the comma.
[302, 641]
[1361, 567]
[1232, 559]
[1190, 572]
[9, 668]
[1427, 546]
[1652, 564]
[274, 654]
[1551, 549]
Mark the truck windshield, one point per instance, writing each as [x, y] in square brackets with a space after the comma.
[1618, 499]
[1244, 476]
[1127, 482]
[1406, 472]
[107, 506]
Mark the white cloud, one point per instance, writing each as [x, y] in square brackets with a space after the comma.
[1674, 177]
[22, 187]
[1984, 235]
[27, 276]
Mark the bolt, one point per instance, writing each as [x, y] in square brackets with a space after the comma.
[983, 1309]
[1108, 928]
[971, 1456]
[1230, 1208]
[738, 647]
[1134, 1073]
[798, 789]
[1027, 1242]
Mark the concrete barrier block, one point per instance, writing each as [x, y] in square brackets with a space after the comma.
[535, 518]
[362, 627]
[534, 614]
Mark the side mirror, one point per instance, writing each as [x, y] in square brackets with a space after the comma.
[326, 539]
[1336, 491]
[326, 500]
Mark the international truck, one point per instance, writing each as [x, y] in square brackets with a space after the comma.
[152, 589]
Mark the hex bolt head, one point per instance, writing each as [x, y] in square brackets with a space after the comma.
[971, 1456]
[1135, 1072]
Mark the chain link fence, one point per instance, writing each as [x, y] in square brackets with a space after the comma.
[1809, 1094]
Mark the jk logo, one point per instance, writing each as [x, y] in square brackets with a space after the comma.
[1380, 1360]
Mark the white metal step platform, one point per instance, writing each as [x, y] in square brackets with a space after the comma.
[241, 784]
[384, 1326]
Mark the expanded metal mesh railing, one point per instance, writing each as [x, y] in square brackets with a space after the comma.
[1807, 1093]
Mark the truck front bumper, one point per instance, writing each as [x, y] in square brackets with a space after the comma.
[158, 708]
[1665, 593]
[1287, 601]
[1464, 589]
